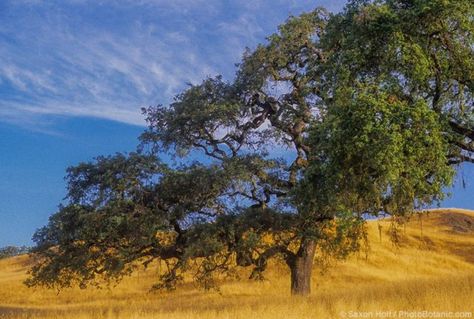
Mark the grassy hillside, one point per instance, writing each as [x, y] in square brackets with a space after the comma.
[432, 270]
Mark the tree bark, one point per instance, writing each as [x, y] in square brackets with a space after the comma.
[301, 266]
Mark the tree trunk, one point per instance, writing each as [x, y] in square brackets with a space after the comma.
[301, 266]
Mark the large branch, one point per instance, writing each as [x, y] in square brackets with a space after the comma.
[261, 262]
[463, 130]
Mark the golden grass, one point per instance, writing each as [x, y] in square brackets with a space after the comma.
[432, 270]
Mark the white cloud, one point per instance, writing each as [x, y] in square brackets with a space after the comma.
[108, 58]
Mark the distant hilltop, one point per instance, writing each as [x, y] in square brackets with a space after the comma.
[10, 251]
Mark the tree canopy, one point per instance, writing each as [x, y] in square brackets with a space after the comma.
[370, 107]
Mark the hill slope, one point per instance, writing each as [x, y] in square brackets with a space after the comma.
[431, 270]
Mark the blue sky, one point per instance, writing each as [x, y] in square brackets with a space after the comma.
[74, 74]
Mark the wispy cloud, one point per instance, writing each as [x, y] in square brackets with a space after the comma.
[107, 59]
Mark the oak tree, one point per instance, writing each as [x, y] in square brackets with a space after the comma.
[336, 116]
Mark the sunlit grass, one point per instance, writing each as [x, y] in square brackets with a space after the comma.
[432, 269]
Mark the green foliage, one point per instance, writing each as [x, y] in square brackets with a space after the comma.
[375, 153]
[421, 50]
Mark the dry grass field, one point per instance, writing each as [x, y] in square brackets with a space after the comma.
[432, 270]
